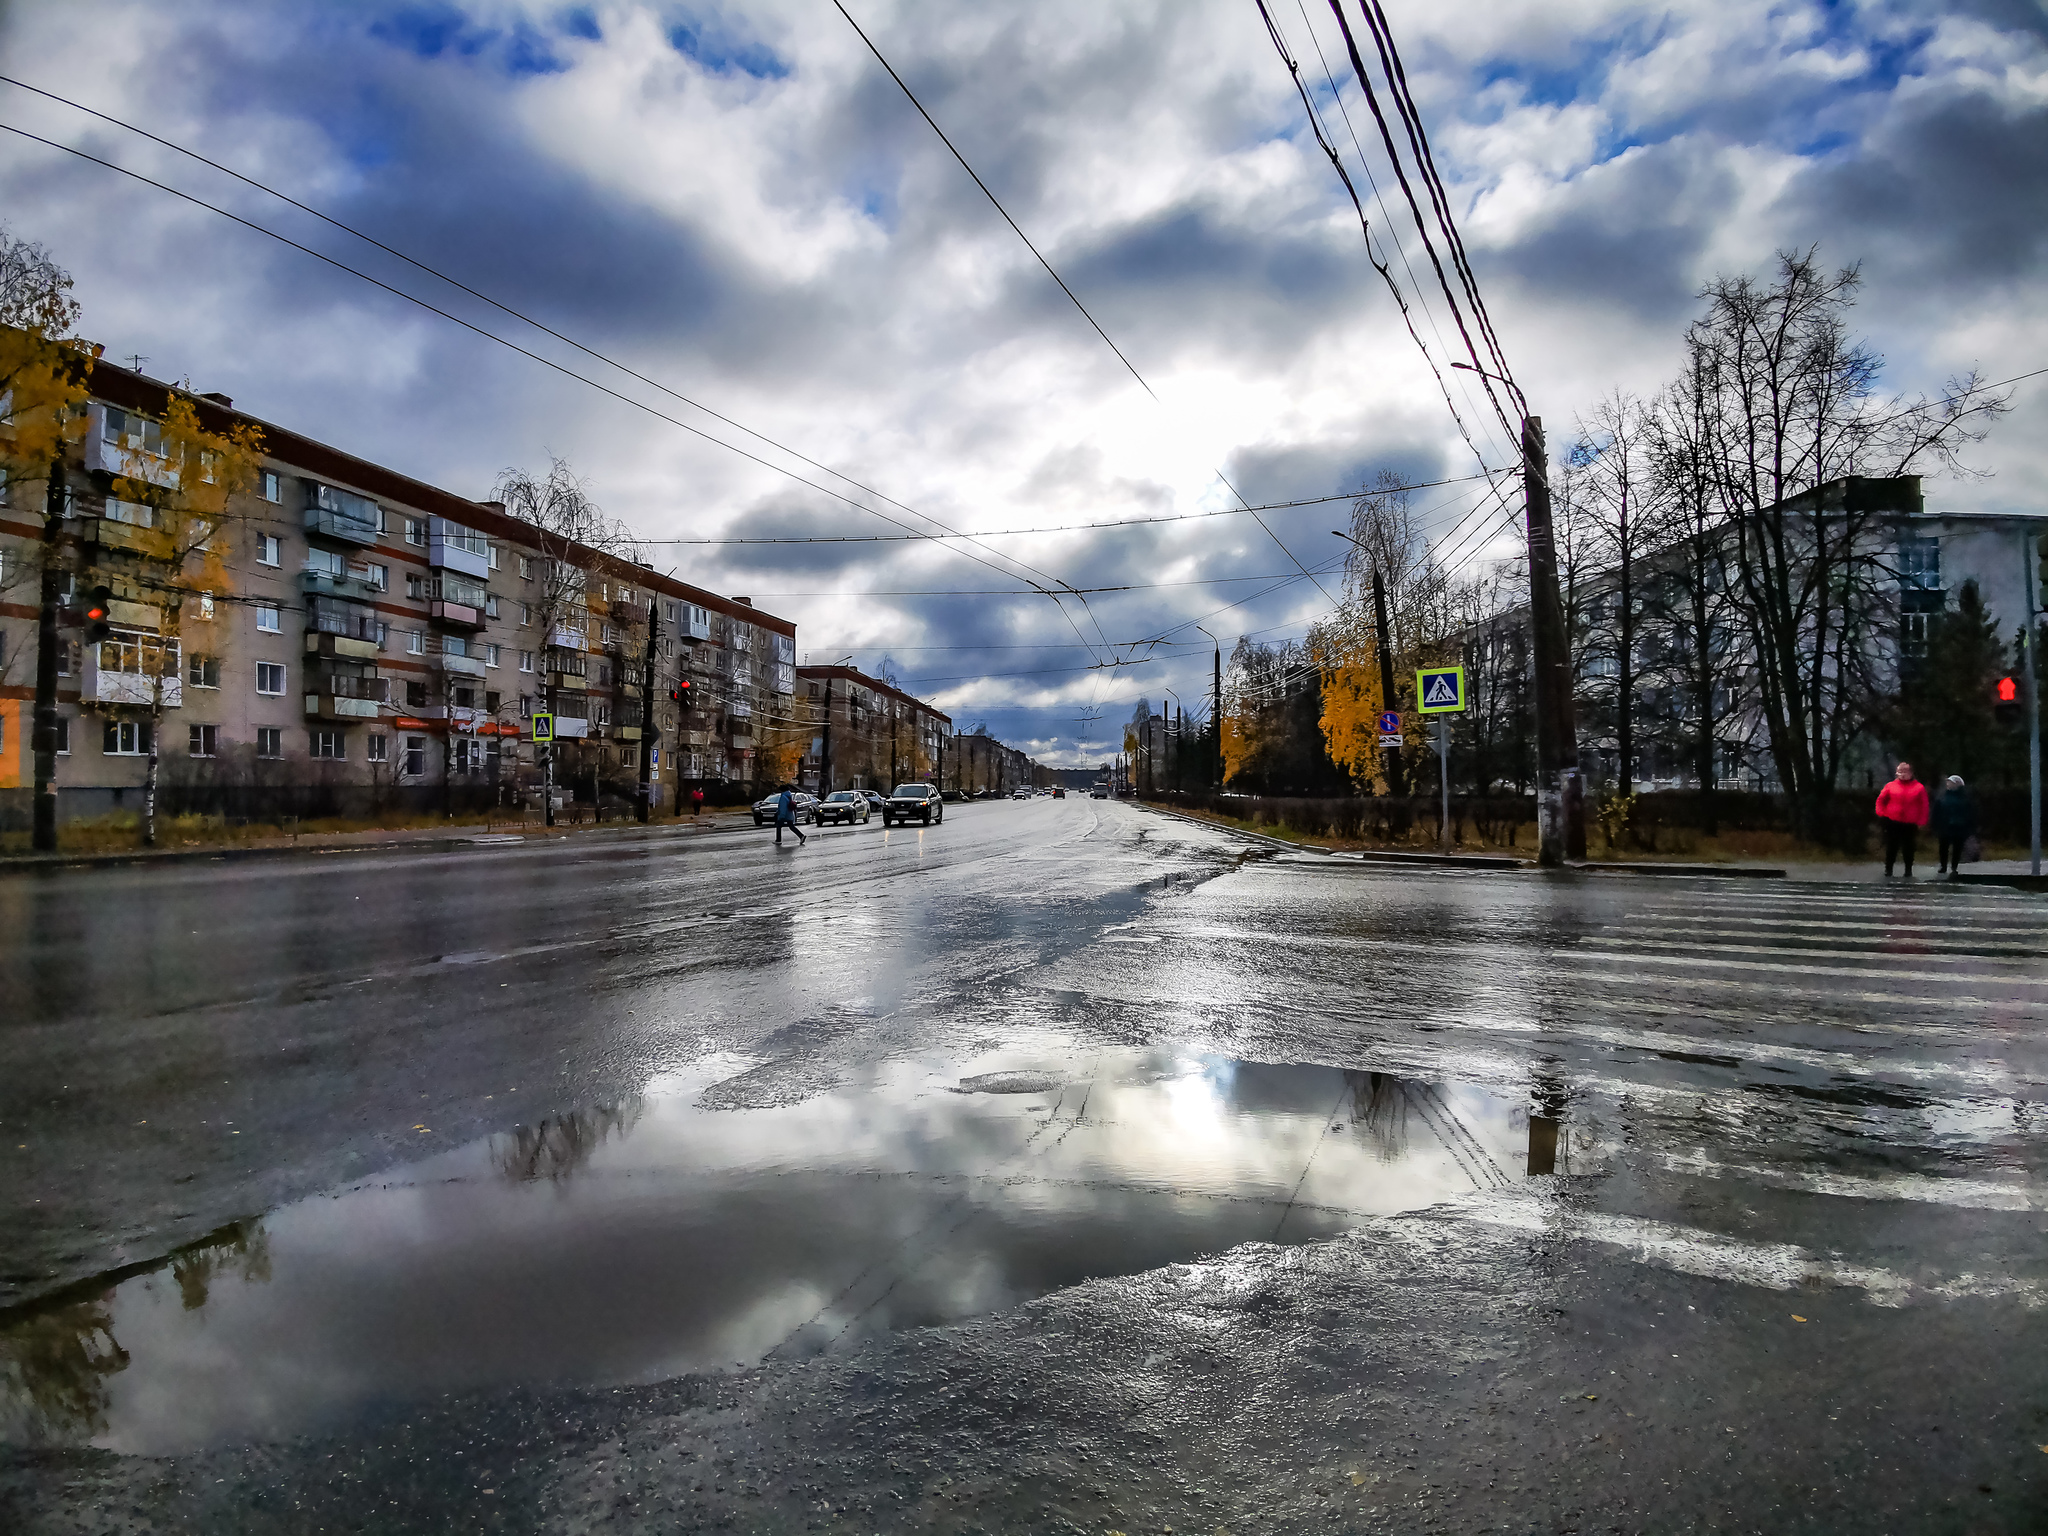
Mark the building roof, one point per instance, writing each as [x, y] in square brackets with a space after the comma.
[134, 391]
[853, 675]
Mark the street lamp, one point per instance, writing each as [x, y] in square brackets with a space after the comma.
[1560, 804]
[1216, 714]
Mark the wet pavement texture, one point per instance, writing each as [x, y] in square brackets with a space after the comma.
[1060, 1167]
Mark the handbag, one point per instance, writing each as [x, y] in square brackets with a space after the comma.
[1973, 850]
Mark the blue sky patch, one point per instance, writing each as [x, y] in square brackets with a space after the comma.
[723, 54]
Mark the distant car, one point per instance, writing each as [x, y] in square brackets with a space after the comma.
[874, 799]
[913, 802]
[843, 805]
[1058, 793]
[1020, 793]
[806, 808]
[951, 794]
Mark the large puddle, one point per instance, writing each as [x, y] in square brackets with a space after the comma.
[671, 1234]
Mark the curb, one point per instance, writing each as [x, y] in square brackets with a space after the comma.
[1724, 871]
[2016, 882]
[446, 842]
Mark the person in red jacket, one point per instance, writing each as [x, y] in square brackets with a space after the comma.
[1902, 807]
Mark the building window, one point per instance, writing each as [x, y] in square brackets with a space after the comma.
[272, 491]
[63, 735]
[494, 557]
[200, 740]
[377, 577]
[668, 650]
[610, 635]
[490, 655]
[206, 605]
[328, 744]
[415, 530]
[464, 696]
[1920, 564]
[269, 741]
[525, 569]
[628, 756]
[415, 585]
[266, 549]
[526, 613]
[266, 618]
[415, 642]
[415, 694]
[415, 756]
[126, 738]
[270, 677]
[203, 672]
[526, 661]
[490, 605]
[491, 702]
[671, 611]
[378, 745]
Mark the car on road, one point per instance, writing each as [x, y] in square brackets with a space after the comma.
[849, 806]
[874, 798]
[1020, 793]
[1058, 793]
[806, 808]
[913, 802]
[1098, 792]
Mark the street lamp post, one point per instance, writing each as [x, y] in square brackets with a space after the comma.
[1560, 801]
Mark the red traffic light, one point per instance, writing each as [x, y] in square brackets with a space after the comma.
[2008, 690]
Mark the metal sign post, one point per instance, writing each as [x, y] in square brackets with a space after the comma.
[1440, 691]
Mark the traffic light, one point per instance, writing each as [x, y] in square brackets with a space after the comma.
[680, 695]
[99, 609]
[2005, 706]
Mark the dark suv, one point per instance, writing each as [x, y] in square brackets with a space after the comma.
[913, 802]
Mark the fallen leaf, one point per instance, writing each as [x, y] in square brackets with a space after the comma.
[1797, 1318]
[1358, 1479]
[1592, 1397]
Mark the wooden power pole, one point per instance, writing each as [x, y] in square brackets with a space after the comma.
[1560, 801]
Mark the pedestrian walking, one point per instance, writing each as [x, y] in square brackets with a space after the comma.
[1902, 807]
[1955, 826]
[697, 800]
[785, 816]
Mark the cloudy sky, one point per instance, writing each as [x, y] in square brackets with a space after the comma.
[737, 202]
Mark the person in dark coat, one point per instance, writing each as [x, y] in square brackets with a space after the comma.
[1955, 823]
[785, 816]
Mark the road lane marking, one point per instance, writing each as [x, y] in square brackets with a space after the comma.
[1967, 1194]
[1943, 977]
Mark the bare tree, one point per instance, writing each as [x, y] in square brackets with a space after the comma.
[35, 293]
[1789, 404]
[571, 533]
[1619, 495]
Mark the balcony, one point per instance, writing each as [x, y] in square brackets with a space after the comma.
[357, 586]
[462, 666]
[454, 548]
[321, 706]
[343, 515]
[694, 622]
[113, 533]
[739, 709]
[460, 615]
[342, 646]
[625, 733]
[565, 638]
[135, 688]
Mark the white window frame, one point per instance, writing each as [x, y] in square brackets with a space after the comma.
[268, 550]
[207, 738]
[268, 620]
[271, 490]
[275, 734]
[326, 737]
[377, 745]
[266, 668]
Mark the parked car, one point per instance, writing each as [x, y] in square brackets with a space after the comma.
[843, 805]
[951, 794]
[806, 808]
[913, 802]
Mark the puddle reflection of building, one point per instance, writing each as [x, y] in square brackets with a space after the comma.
[556, 1148]
[57, 1358]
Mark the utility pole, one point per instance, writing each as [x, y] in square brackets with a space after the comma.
[649, 736]
[47, 641]
[1388, 703]
[1560, 804]
[1216, 719]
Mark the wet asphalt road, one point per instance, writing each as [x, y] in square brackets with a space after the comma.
[1062, 1167]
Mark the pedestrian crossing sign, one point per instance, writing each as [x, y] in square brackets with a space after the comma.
[1440, 690]
[543, 727]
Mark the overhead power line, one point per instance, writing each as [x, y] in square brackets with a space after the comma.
[1069, 292]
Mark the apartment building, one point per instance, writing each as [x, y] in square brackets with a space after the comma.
[864, 733]
[367, 642]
